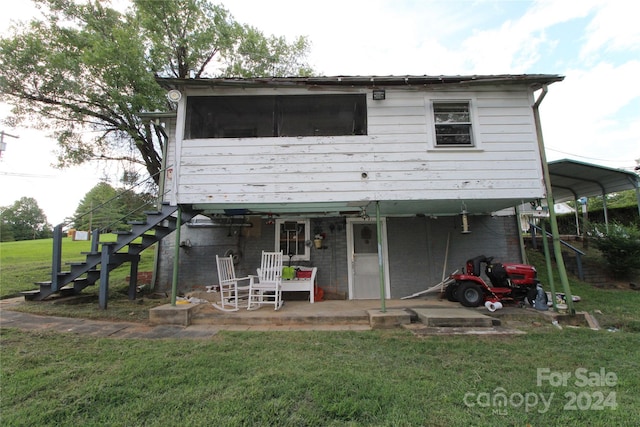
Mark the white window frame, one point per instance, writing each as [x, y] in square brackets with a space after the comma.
[306, 256]
[474, 123]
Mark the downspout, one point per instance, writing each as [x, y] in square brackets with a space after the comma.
[562, 271]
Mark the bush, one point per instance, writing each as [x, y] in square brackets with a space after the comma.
[620, 247]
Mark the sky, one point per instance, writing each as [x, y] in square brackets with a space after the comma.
[592, 116]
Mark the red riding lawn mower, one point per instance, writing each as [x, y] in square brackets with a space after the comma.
[510, 283]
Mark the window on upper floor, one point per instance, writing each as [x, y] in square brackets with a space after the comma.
[293, 237]
[276, 116]
[452, 120]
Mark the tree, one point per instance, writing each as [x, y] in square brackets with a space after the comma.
[108, 208]
[621, 199]
[24, 220]
[620, 247]
[86, 71]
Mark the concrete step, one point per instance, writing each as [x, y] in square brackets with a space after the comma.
[458, 317]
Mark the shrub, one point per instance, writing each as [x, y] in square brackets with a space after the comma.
[620, 247]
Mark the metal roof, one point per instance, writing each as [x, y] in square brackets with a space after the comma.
[571, 179]
[534, 80]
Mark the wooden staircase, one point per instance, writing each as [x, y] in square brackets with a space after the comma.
[106, 256]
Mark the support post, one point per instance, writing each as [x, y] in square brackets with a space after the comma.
[547, 259]
[550, 203]
[133, 277]
[56, 258]
[523, 252]
[383, 307]
[605, 210]
[176, 259]
[95, 239]
[103, 293]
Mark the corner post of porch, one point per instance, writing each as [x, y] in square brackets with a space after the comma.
[176, 258]
[383, 307]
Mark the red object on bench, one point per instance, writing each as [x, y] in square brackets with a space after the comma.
[303, 274]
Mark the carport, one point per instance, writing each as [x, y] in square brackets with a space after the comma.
[572, 180]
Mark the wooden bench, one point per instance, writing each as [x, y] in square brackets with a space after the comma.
[302, 284]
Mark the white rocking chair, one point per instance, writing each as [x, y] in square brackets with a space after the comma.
[232, 296]
[268, 288]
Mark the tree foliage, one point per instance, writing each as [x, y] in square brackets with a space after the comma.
[107, 208]
[86, 72]
[23, 220]
[621, 199]
[620, 246]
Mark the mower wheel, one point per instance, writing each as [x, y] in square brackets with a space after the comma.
[470, 294]
[450, 292]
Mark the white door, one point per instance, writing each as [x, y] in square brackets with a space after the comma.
[364, 271]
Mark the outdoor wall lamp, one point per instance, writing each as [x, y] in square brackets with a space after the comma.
[174, 95]
[379, 94]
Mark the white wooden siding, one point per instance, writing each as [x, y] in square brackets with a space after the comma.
[400, 161]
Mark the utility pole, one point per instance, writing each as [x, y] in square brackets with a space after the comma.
[3, 145]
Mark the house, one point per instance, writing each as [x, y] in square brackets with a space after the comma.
[425, 170]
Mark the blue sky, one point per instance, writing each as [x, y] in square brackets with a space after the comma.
[592, 116]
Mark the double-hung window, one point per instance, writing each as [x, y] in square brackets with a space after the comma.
[293, 237]
[452, 121]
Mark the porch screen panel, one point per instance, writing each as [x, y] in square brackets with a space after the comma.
[275, 116]
[230, 116]
[322, 115]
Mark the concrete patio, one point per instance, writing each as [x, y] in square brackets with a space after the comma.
[429, 312]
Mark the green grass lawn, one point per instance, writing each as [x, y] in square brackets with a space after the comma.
[379, 378]
[25, 262]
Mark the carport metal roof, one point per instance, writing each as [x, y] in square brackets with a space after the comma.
[571, 179]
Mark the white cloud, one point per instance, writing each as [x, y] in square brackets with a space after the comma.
[615, 28]
[588, 114]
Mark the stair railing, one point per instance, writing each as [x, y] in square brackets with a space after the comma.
[577, 251]
[56, 258]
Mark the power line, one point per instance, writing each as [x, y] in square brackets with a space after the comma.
[26, 175]
[585, 157]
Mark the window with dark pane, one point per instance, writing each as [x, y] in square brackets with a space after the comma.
[292, 237]
[453, 123]
[276, 116]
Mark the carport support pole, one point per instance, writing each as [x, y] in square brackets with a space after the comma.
[383, 307]
[176, 259]
[547, 258]
[555, 233]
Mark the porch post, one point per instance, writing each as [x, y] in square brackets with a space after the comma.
[547, 260]
[383, 307]
[176, 259]
[562, 272]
